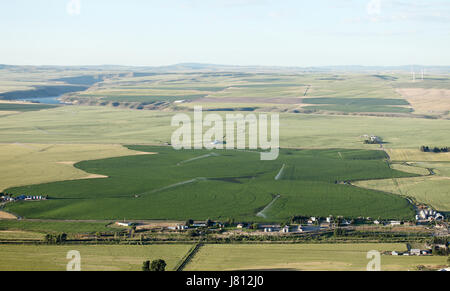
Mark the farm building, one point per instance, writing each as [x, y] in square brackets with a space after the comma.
[346, 222]
[126, 224]
[285, 229]
[429, 214]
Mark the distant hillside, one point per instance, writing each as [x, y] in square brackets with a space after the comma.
[41, 91]
[217, 67]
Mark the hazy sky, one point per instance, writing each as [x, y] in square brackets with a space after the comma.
[241, 32]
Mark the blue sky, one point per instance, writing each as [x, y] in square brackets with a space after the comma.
[239, 32]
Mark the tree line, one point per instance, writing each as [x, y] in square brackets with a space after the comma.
[55, 238]
[427, 149]
[154, 266]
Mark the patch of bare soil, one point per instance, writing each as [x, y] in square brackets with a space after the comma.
[8, 112]
[145, 153]
[427, 101]
[67, 163]
[6, 215]
[156, 225]
[251, 100]
[92, 176]
[15, 102]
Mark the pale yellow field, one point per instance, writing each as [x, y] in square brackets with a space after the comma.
[305, 257]
[26, 164]
[410, 168]
[6, 215]
[93, 257]
[427, 101]
[431, 190]
[8, 112]
[415, 155]
[18, 234]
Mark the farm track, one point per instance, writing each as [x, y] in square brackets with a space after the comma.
[198, 158]
[175, 185]
[261, 213]
[280, 173]
[192, 252]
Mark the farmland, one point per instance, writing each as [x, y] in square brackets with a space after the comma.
[105, 125]
[94, 258]
[42, 227]
[105, 158]
[19, 107]
[304, 257]
[229, 184]
[431, 190]
[39, 163]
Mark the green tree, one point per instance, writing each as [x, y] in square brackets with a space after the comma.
[158, 266]
[146, 266]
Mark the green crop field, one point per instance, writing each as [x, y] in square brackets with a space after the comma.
[230, 184]
[358, 104]
[25, 164]
[23, 107]
[304, 257]
[93, 258]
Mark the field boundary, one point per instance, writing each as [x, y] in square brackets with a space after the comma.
[188, 257]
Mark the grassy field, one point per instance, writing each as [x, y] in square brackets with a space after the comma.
[305, 257]
[19, 107]
[358, 104]
[98, 125]
[174, 185]
[431, 190]
[68, 227]
[427, 101]
[15, 234]
[411, 168]
[415, 155]
[93, 258]
[25, 164]
[344, 92]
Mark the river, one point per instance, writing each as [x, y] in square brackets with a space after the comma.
[43, 100]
